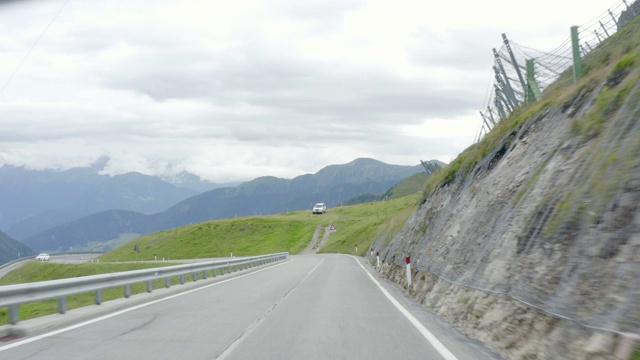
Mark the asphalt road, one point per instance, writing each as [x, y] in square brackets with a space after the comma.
[311, 307]
[63, 258]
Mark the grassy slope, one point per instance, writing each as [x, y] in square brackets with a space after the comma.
[410, 185]
[357, 225]
[361, 224]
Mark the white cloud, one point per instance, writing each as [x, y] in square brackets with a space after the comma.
[235, 90]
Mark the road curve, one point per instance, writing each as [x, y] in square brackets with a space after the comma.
[311, 307]
[60, 258]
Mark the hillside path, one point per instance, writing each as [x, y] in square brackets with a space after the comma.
[313, 247]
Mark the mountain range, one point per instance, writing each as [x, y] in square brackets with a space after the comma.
[332, 185]
[11, 249]
[36, 200]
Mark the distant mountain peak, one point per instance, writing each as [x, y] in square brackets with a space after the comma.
[366, 161]
[100, 164]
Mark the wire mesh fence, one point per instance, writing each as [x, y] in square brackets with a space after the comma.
[509, 86]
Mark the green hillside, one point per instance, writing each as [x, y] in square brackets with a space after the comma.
[357, 225]
[411, 185]
[11, 249]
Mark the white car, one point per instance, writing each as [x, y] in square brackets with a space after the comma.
[43, 257]
[320, 208]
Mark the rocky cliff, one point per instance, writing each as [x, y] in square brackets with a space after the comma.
[530, 240]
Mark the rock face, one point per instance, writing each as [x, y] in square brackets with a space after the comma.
[544, 228]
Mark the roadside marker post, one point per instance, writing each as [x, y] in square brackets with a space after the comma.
[408, 271]
[371, 252]
[378, 259]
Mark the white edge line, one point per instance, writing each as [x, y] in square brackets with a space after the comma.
[104, 317]
[417, 324]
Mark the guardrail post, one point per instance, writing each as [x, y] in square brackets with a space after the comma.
[167, 282]
[127, 291]
[62, 304]
[149, 286]
[222, 271]
[98, 296]
[195, 276]
[204, 274]
[182, 279]
[13, 314]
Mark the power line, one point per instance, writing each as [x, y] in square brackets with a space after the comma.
[33, 46]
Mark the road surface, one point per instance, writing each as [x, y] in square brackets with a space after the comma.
[62, 258]
[310, 307]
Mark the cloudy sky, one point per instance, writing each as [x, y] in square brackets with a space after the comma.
[232, 90]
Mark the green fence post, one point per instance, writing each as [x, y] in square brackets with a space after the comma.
[577, 61]
[533, 91]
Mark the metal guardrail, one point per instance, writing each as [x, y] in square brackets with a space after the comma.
[12, 296]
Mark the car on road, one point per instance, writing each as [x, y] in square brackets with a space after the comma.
[320, 208]
[43, 257]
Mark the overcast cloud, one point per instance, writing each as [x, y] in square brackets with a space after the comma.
[233, 90]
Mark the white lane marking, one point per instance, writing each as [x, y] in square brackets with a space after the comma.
[104, 317]
[417, 324]
[236, 342]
